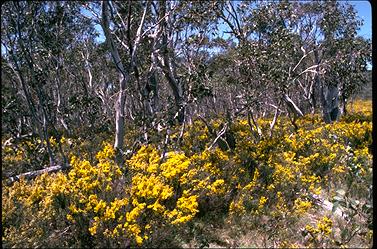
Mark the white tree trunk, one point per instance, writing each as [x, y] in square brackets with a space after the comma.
[119, 106]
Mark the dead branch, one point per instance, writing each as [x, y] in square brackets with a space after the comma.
[272, 125]
[32, 174]
[223, 130]
[251, 121]
[293, 106]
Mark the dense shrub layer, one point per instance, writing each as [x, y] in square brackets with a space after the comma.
[154, 202]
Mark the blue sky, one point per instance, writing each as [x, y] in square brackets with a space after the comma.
[364, 10]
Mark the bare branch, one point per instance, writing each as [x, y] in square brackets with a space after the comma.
[218, 136]
[292, 105]
[272, 125]
[138, 33]
[158, 22]
[32, 174]
[303, 57]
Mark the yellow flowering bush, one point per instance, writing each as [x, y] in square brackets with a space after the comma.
[195, 138]
[358, 110]
[293, 166]
[30, 211]
[188, 179]
[28, 154]
[273, 178]
[302, 206]
[321, 234]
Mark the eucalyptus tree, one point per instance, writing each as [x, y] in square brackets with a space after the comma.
[23, 45]
[35, 39]
[346, 56]
[352, 68]
[264, 55]
[340, 55]
[123, 24]
[147, 39]
[295, 53]
[193, 25]
[14, 109]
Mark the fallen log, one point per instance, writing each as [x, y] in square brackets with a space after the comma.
[32, 174]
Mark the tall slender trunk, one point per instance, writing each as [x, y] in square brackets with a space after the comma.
[124, 78]
[343, 102]
[167, 66]
[119, 116]
[37, 77]
[329, 104]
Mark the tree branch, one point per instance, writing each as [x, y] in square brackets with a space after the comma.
[32, 174]
[219, 136]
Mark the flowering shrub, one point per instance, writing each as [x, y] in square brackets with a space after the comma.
[189, 178]
[195, 138]
[321, 234]
[31, 209]
[95, 203]
[100, 205]
[28, 154]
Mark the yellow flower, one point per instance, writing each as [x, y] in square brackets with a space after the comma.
[139, 240]
[93, 230]
[69, 217]
[237, 207]
[325, 225]
[100, 206]
[262, 201]
[311, 229]
[301, 206]
[339, 169]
